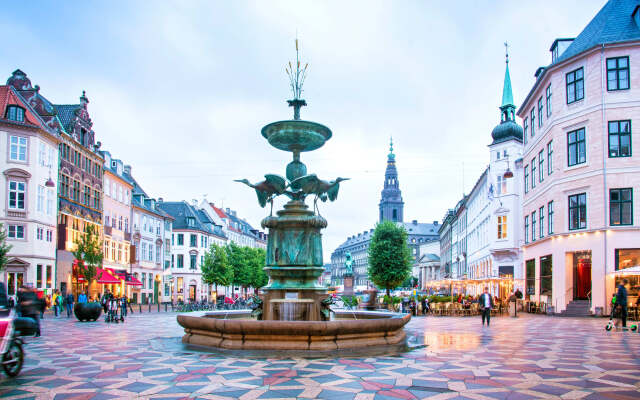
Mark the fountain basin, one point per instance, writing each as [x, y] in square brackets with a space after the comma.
[296, 135]
[349, 330]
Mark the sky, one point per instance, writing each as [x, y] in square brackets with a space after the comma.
[180, 89]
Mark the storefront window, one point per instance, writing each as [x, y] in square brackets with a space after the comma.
[627, 258]
[546, 275]
[531, 277]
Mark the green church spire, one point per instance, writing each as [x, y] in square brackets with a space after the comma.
[507, 109]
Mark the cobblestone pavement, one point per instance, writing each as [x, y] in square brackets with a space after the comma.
[530, 357]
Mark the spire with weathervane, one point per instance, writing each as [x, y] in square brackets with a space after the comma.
[391, 204]
[508, 129]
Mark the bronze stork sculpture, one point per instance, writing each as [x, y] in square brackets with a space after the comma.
[267, 190]
[323, 190]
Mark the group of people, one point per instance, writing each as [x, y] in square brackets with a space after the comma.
[114, 307]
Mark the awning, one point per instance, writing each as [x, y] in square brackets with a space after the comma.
[133, 281]
[628, 271]
[104, 277]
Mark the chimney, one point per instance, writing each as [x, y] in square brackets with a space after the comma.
[435, 223]
[194, 202]
[415, 222]
[160, 200]
[127, 169]
[227, 211]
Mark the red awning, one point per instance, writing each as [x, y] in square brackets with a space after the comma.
[133, 281]
[103, 276]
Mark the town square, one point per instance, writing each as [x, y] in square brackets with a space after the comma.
[298, 199]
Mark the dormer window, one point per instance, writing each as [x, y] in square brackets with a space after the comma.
[191, 221]
[113, 164]
[15, 113]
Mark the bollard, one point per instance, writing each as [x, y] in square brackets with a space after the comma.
[165, 307]
[158, 307]
[140, 308]
[149, 307]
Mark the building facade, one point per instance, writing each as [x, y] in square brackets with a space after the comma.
[117, 211]
[581, 172]
[391, 208]
[192, 235]
[30, 169]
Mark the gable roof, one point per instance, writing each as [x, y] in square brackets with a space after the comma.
[218, 211]
[9, 96]
[181, 210]
[66, 113]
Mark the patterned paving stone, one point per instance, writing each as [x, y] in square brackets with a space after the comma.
[532, 357]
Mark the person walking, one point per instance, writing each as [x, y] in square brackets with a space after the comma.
[486, 303]
[69, 301]
[29, 305]
[621, 301]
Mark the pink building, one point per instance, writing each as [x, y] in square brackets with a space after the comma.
[581, 170]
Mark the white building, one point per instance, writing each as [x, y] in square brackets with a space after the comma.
[30, 176]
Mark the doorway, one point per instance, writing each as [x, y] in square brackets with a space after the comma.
[192, 293]
[582, 275]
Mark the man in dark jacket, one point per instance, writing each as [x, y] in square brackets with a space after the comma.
[621, 301]
[69, 301]
[29, 306]
[486, 303]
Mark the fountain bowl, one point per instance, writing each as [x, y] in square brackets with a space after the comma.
[348, 330]
[296, 135]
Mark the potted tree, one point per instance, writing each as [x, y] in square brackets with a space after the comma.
[88, 256]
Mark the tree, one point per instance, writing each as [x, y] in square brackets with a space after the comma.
[88, 254]
[389, 256]
[216, 269]
[237, 257]
[4, 248]
[257, 260]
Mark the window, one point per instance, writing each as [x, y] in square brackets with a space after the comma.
[541, 165]
[180, 239]
[193, 261]
[395, 214]
[550, 158]
[15, 113]
[575, 85]
[541, 228]
[502, 227]
[548, 93]
[618, 73]
[576, 148]
[501, 185]
[39, 271]
[16, 195]
[158, 248]
[150, 283]
[550, 217]
[533, 173]
[526, 178]
[17, 148]
[194, 240]
[526, 129]
[533, 122]
[49, 236]
[144, 251]
[526, 229]
[144, 280]
[50, 202]
[621, 206]
[533, 226]
[15, 232]
[150, 252]
[540, 112]
[180, 261]
[39, 233]
[578, 211]
[40, 199]
[619, 139]
[546, 276]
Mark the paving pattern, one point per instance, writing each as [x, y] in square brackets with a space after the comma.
[531, 357]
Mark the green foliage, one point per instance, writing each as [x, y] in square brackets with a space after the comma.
[216, 269]
[350, 302]
[88, 252]
[237, 257]
[439, 299]
[256, 259]
[4, 248]
[392, 299]
[389, 256]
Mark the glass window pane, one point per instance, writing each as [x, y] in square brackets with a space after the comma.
[622, 62]
[625, 195]
[611, 63]
[615, 214]
[579, 74]
[626, 213]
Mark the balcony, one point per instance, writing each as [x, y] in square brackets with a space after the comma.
[16, 214]
[107, 230]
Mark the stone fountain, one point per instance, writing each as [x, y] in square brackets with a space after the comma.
[294, 310]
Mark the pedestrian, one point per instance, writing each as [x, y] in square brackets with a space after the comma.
[69, 302]
[621, 301]
[424, 305]
[486, 303]
[29, 305]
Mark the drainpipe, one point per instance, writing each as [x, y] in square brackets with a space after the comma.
[605, 154]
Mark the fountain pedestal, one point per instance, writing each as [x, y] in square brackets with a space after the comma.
[294, 264]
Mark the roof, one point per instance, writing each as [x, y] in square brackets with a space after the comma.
[612, 24]
[66, 114]
[9, 96]
[218, 211]
[417, 229]
[507, 93]
[181, 210]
